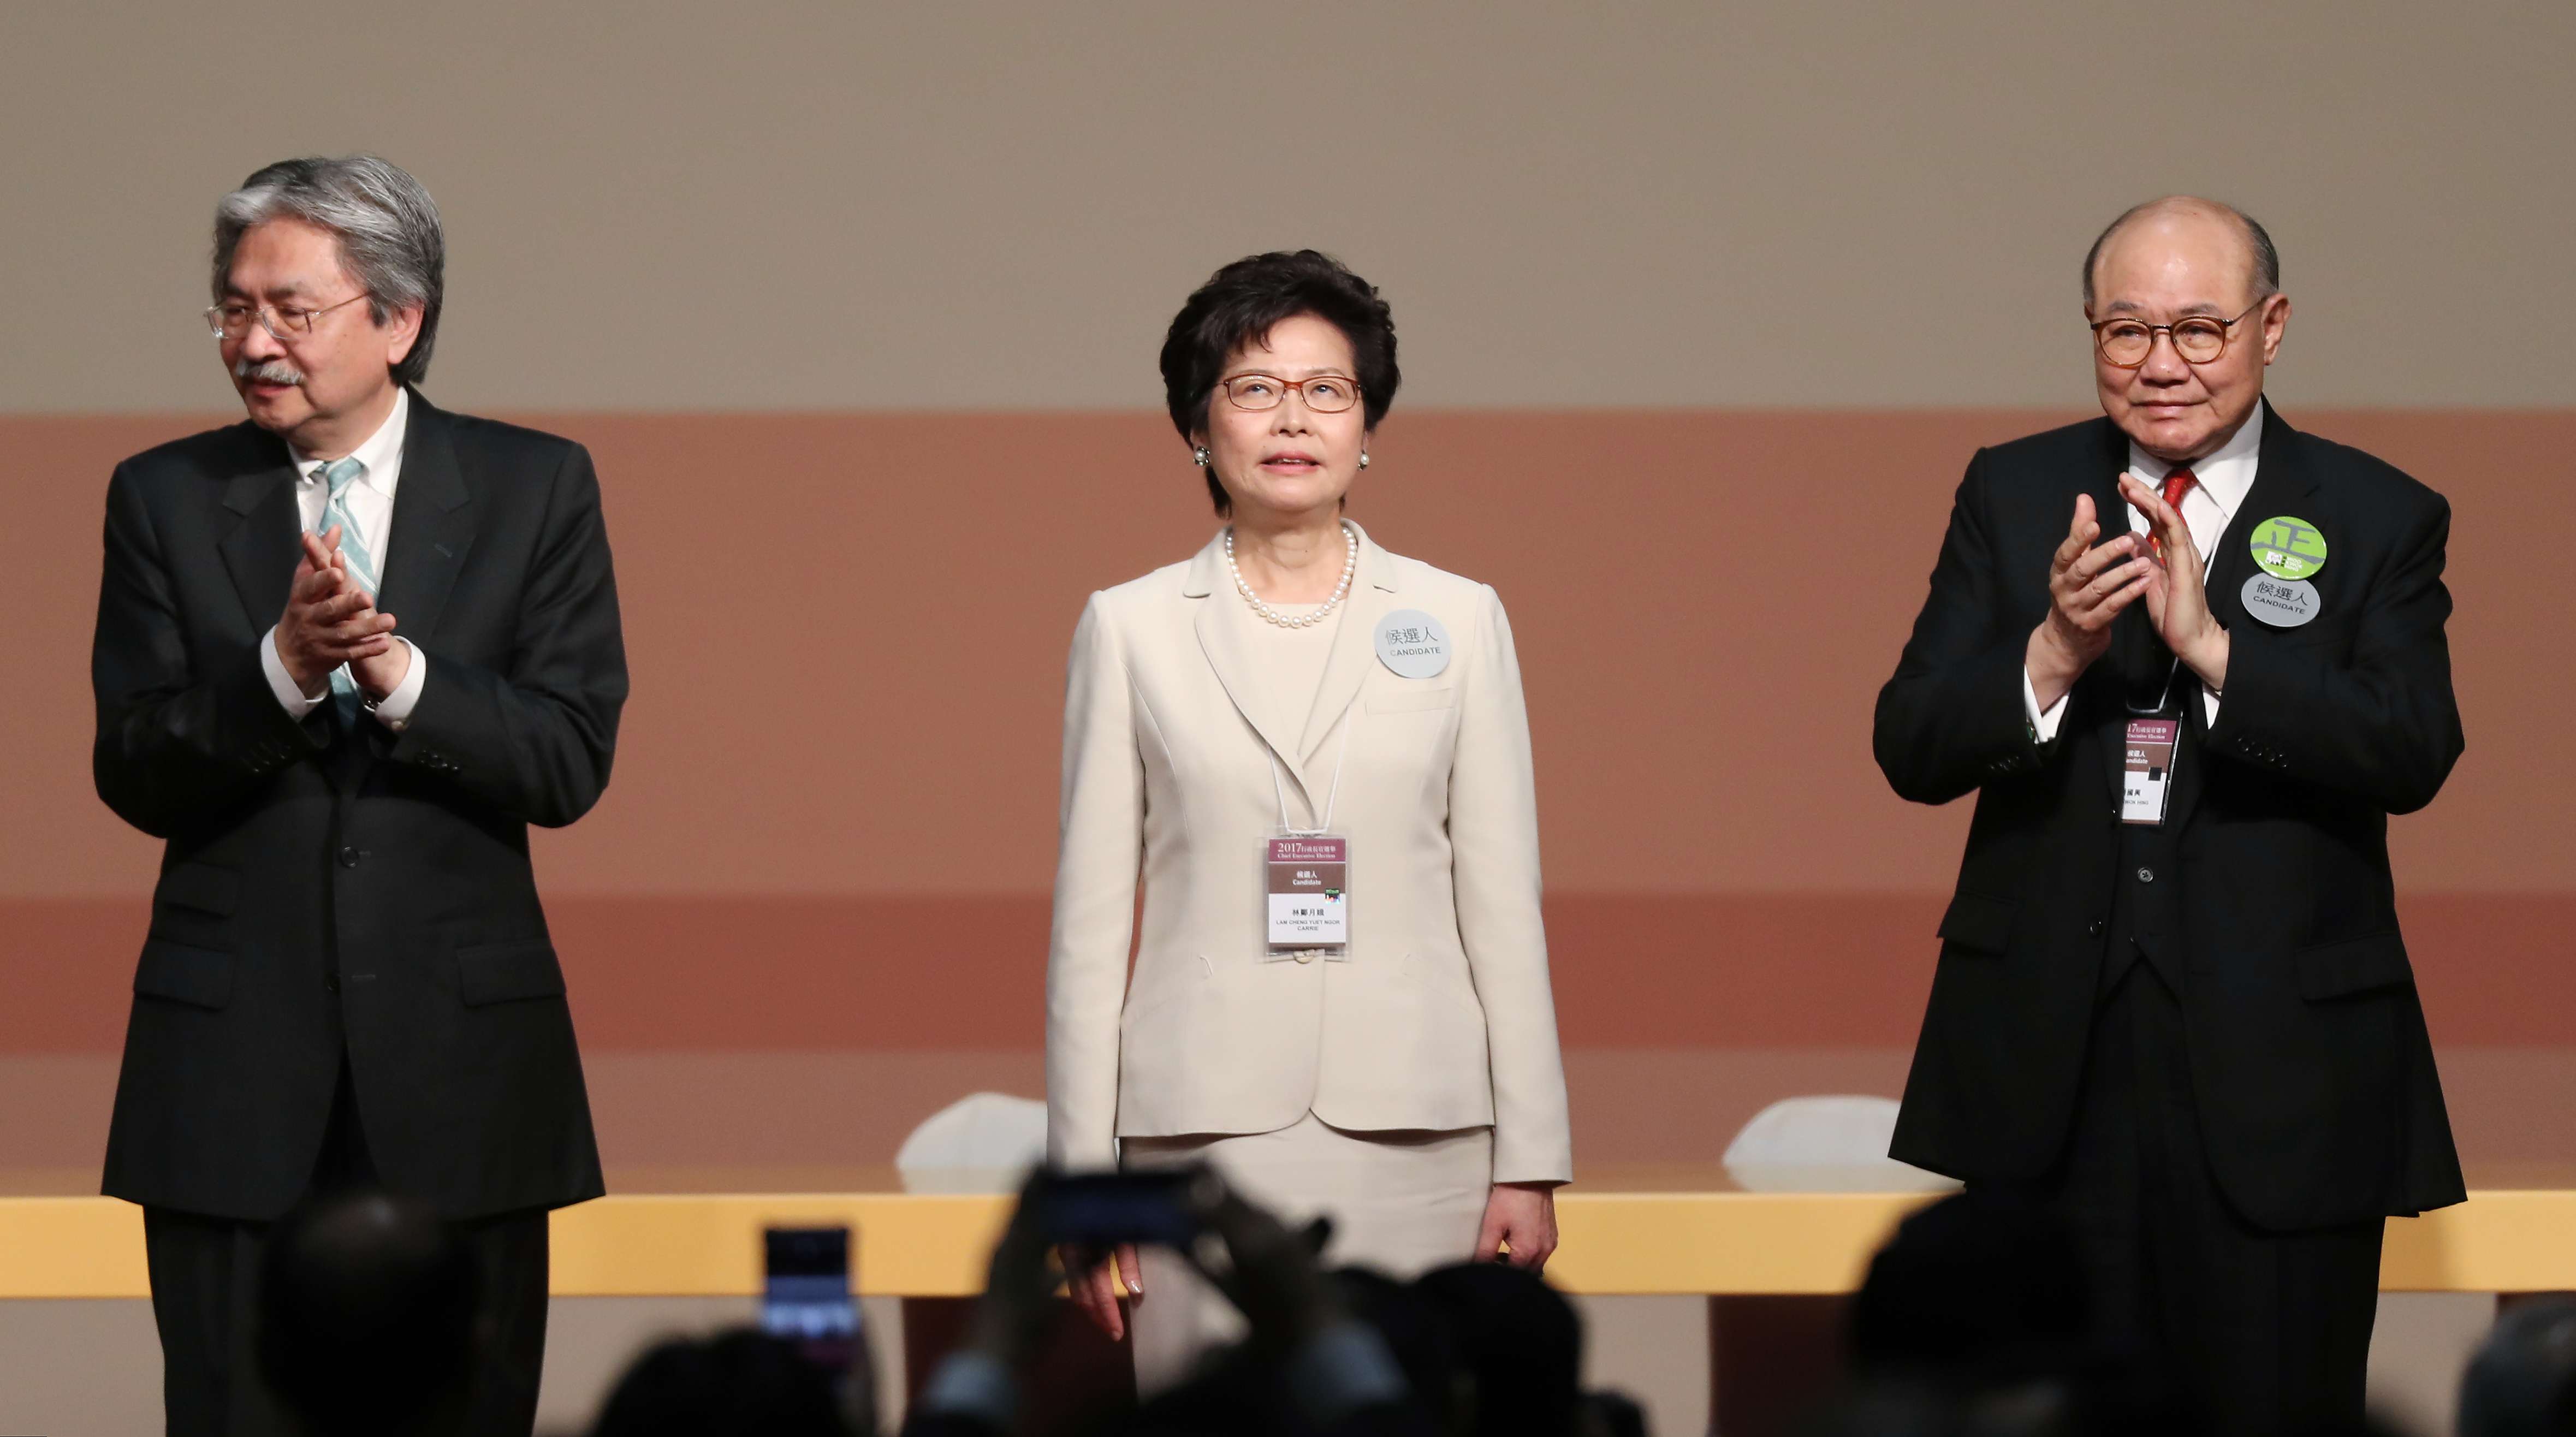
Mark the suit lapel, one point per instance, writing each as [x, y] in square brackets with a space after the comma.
[433, 526]
[2282, 481]
[261, 551]
[1220, 640]
[1354, 649]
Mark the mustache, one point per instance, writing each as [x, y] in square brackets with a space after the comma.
[272, 371]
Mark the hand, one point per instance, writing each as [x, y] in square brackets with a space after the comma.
[380, 675]
[2087, 589]
[329, 620]
[1275, 1274]
[1101, 1284]
[1012, 1316]
[1522, 1215]
[2177, 599]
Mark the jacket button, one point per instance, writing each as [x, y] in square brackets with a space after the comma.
[2094, 928]
[2146, 875]
[1306, 956]
[349, 856]
[330, 982]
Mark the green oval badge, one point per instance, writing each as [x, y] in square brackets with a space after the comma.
[2288, 548]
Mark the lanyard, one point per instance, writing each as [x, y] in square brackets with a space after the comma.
[1333, 795]
[2164, 693]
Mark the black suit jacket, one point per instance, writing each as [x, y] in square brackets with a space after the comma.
[329, 886]
[2308, 1050]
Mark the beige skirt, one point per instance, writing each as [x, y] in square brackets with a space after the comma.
[1401, 1202]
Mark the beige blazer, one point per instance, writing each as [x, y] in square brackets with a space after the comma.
[1440, 1018]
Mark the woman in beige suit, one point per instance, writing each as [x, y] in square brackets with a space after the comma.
[1314, 756]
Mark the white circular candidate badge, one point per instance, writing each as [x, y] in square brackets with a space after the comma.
[1413, 644]
[2281, 603]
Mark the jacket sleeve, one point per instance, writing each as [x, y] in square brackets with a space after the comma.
[535, 740]
[1953, 717]
[1493, 839]
[2381, 724]
[174, 746]
[1102, 831]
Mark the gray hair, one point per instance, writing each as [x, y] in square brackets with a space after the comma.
[390, 239]
[2265, 260]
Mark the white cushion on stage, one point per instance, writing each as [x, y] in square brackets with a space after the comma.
[982, 1143]
[1825, 1145]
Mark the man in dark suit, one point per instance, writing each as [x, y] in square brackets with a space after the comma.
[2171, 995]
[346, 653]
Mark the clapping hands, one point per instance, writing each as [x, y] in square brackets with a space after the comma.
[330, 621]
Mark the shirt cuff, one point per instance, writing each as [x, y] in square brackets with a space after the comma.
[280, 683]
[394, 709]
[2209, 704]
[2043, 723]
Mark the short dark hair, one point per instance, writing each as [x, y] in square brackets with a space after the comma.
[2266, 259]
[739, 1380]
[1242, 302]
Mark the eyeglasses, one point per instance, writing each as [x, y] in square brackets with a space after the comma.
[2199, 340]
[1324, 394]
[232, 321]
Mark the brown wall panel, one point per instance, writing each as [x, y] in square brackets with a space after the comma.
[691, 1120]
[832, 825]
[847, 635]
[904, 974]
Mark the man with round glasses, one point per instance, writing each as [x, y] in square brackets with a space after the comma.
[2172, 999]
[347, 652]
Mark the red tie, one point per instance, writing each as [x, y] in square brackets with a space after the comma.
[2177, 484]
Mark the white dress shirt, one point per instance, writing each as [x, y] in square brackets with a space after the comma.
[370, 502]
[2221, 482]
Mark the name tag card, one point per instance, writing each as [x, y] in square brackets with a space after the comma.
[2147, 775]
[1310, 899]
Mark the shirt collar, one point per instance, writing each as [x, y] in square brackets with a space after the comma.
[382, 453]
[2226, 476]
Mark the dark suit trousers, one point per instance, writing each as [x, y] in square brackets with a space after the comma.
[2265, 1331]
[205, 1300]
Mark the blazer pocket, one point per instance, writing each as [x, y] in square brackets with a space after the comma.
[200, 888]
[1405, 701]
[2352, 965]
[1978, 922]
[505, 972]
[198, 977]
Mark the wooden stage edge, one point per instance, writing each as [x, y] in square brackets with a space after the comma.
[924, 1245]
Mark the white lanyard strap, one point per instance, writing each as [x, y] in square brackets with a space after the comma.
[1332, 795]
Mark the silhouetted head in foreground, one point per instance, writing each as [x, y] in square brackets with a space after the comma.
[367, 1316]
[2522, 1382]
[1977, 1283]
[1518, 1342]
[742, 1383]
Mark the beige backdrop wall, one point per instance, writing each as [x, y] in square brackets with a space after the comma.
[1704, 309]
[997, 205]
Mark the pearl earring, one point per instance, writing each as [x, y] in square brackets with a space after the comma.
[1199, 456]
[1363, 459]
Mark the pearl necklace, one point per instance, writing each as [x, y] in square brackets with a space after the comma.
[1350, 566]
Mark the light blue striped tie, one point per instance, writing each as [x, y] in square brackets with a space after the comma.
[339, 475]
